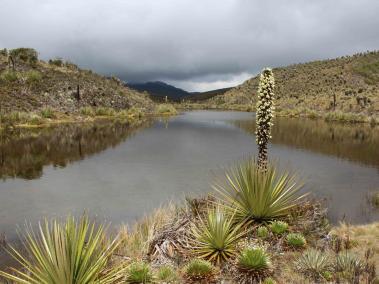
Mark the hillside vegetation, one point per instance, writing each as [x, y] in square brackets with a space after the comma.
[348, 84]
[29, 84]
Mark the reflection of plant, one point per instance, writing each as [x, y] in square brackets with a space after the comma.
[216, 236]
[73, 252]
[264, 114]
[255, 194]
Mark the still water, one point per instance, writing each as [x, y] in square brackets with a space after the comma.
[119, 173]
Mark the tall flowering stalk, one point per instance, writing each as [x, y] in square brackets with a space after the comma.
[264, 114]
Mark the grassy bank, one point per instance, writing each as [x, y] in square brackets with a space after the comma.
[49, 116]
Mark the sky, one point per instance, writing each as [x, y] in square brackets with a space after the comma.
[197, 45]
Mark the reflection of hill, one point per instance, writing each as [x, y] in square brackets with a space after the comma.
[23, 153]
[358, 142]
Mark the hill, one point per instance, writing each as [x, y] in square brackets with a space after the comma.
[159, 90]
[349, 84]
[29, 84]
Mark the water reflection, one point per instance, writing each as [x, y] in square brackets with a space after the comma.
[358, 142]
[24, 152]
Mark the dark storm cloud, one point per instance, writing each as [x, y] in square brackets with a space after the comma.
[192, 43]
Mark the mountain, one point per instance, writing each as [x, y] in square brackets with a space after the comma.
[160, 90]
[348, 84]
[29, 84]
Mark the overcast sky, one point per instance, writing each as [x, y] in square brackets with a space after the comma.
[195, 44]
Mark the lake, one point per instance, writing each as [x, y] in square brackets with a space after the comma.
[118, 173]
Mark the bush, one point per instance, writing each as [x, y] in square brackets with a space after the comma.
[314, 263]
[296, 240]
[348, 265]
[165, 109]
[57, 62]
[216, 236]
[33, 76]
[167, 274]
[139, 272]
[47, 113]
[254, 259]
[88, 111]
[72, 252]
[269, 280]
[262, 232]
[198, 269]
[254, 194]
[253, 264]
[105, 111]
[278, 227]
[27, 55]
[9, 76]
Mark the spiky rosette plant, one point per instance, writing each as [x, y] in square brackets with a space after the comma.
[264, 114]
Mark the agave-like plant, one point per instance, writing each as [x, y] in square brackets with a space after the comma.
[254, 194]
[216, 236]
[75, 252]
[314, 263]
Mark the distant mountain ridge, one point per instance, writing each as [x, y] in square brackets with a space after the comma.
[159, 90]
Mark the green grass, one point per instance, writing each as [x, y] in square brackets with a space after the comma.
[9, 76]
[87, 111]
[262, 232]
[139, 272]
[75, 251]
[254, 259]
[344, 117]
[105, 111]
[278, 227]
[33, 76]
[258, 195]
[47, 112]
[199, 269]
[216, 236]
[167, 274]
[296, 240]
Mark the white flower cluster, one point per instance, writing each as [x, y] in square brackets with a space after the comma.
[265, 107]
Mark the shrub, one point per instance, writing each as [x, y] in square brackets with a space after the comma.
[165, 109]
[57, 62]
[33, 76]
[262, 232]
[278, 227]
[216, 236]
[269, 280]
[254, 260]
[254, 194]
[296, 240]
[139, 272]
[88, 111]
[348, 265]
[27, 55]
[313, 263]
[72, 252]
[105, 111]
[9, 76]
[167, 274]
[199, 269]
[47, 113]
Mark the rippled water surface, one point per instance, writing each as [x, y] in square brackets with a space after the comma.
[120, 173]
